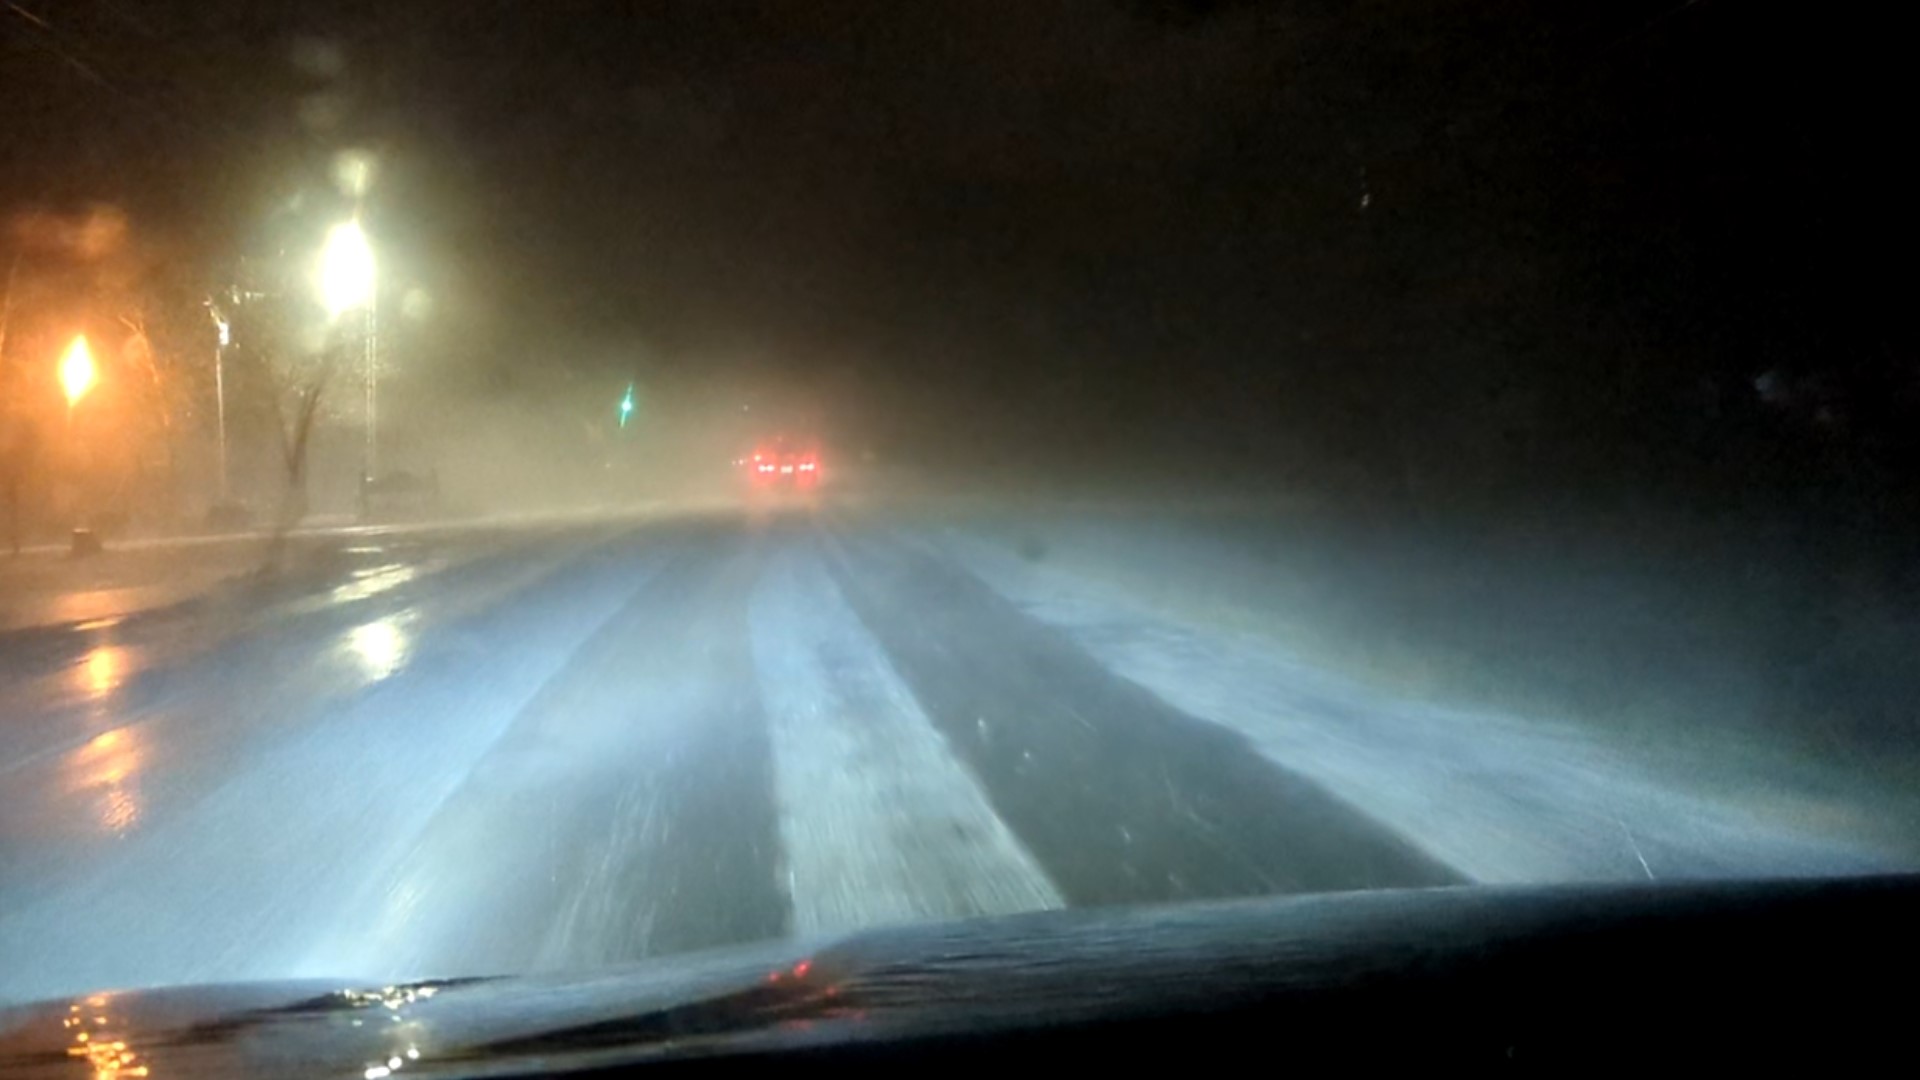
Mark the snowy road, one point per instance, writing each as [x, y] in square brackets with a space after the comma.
[565, 748]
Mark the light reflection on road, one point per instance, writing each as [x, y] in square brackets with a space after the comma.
[102, 671]
[106, 775]
[373, 581]
[93, 609]
[381, 646]
[364, 583]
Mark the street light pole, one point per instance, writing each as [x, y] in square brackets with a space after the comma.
[373, 380]
[347, 284]
[77, 374]
[220, 399]
[220, 405]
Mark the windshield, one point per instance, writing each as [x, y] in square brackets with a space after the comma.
[505, 488]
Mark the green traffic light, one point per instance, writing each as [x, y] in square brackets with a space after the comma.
[626, 406]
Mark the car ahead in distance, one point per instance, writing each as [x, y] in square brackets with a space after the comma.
[782, 465]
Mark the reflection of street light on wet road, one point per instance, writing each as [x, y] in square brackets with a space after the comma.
[77, 372]
[347, 285]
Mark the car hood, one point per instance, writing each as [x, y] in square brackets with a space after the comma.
[1458, 951]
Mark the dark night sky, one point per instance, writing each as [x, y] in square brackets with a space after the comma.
[1572, 232]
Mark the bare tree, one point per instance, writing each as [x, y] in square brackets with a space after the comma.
[281, 363]
[296, 405]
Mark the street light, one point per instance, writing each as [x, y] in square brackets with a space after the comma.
[77, 371]
[346, 269]
[77, 376]
[347, 284]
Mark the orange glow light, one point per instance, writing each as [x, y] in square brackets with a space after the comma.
[77, 373]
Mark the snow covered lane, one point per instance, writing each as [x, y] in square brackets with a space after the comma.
[1502, 798]
[727, 728]
[879, 821]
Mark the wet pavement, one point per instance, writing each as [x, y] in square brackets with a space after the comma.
[562, 748]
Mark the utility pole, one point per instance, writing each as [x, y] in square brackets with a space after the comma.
[225, 330]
